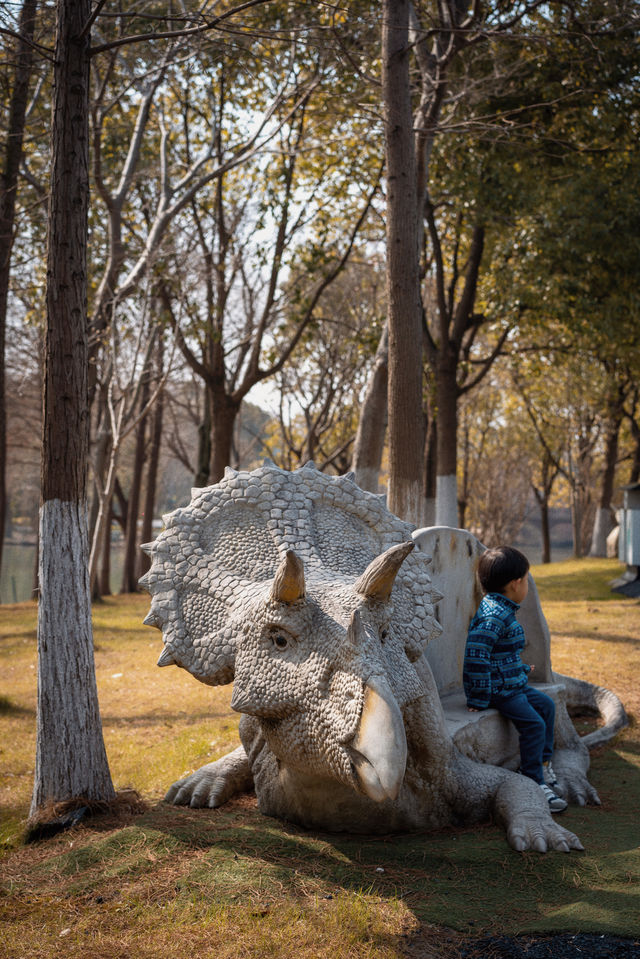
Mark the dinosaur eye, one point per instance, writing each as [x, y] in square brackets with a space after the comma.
[280, 639]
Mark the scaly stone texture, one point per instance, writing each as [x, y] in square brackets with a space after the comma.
[298, 588]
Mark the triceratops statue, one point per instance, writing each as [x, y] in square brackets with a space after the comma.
[307, 594]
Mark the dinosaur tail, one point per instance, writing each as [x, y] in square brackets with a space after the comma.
[596, 700]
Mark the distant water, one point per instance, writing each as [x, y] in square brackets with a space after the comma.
[16, 579]
[18, 562]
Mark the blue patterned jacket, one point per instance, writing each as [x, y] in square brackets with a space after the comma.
[492, 664]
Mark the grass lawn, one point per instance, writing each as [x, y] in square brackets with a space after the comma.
[231, 883]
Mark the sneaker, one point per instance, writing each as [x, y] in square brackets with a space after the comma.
[549, 775]
[556, 803]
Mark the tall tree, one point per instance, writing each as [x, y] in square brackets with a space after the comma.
[71, 759]
[255, 260]
[319, 388]
[474, 73]
[13, 146]
[406, 423]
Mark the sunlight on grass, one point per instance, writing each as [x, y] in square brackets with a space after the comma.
[595, 633]
[231, 883]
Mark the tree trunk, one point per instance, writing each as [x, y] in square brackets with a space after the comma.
[447, 399]
[129, 579]
[575, 505]
[102, 530]
[71, 760]
[101, 452]
[103, 586]
[604, 514]
[8, 191]
[203, 467]
[225, 411]
[549, 473]
[463, 490]
[542, 500]
[406, 424]
[546, 532]
[634, 475]
[372, 425]
[152, 469]
[430, 466]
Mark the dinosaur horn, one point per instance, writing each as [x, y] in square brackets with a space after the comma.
[378, 578]
[356, 635]
[288, 583]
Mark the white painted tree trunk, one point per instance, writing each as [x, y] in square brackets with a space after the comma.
[71, 762]
[602, 526]
[429, 511]
[447, 501]
[70, 755]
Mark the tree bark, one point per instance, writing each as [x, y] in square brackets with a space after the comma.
[542, 494]
[225, 410]
[546, 532]
[430, 468]
[372, 425]
[71, 760]
[406, 423]
[154, 462]
[129, 579]
[445, 348]
[103, 583]
[634, 475]
[8, 192]
[203, 466]
[604, 522]
[447, 404]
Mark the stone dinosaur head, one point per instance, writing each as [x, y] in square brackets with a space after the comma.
[304, 591]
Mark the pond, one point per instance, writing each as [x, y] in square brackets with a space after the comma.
[18, 564]
[17, 576]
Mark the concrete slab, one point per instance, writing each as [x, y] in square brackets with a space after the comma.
[486, 735]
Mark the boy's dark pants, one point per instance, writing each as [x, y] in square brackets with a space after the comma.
[533, 714]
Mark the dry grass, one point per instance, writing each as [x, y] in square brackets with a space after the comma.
[595, 632]
[232, 883]
[158, 723]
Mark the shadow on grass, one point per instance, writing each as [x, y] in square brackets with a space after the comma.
[18, 638]
[184, 720]
[595, 636]
[9, 708]
[192, 867]
[466, 879]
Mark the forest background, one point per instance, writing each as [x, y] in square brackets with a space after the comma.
[238, 291]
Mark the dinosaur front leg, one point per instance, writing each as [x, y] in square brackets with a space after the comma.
[514, 801]
[213, 784]
[520, 806]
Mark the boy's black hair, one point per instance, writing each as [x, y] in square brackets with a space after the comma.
[500, 566]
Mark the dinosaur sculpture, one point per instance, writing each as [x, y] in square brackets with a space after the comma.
[308, 594]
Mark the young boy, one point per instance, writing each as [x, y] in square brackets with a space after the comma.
[493, 673]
